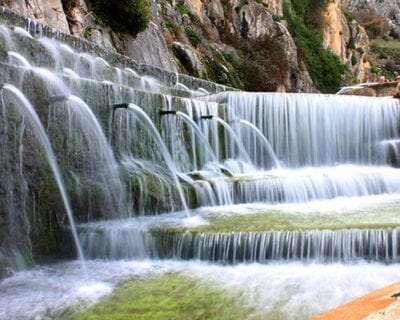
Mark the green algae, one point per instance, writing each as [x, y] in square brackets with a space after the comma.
[167, 296]
[273, 220]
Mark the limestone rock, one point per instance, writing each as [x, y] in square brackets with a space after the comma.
[189, 59]
[49, 12]
[347, 39]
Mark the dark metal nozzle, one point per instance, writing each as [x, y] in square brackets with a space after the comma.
[167, 112]
[207, 117]
[121, 106]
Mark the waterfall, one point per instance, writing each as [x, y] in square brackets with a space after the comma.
[308, 246]
[317, 130]
[145, 121]
[121, 159]
[267, 145]
[28, 112]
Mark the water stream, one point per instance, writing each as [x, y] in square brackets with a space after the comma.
[264, 140]
[146, 194]
[148, 124]
[27, 110]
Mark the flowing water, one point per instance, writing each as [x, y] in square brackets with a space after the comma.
[276, 291]
[265, 142]
[316, 176]
[28, 113]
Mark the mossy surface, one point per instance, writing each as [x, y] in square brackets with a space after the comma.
[168, 296]
[284, 221]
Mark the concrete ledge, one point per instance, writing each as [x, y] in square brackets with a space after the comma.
[382, 304]
[387, 89]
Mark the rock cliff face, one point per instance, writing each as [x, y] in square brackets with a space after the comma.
[208, 38]
[213, 32]
[50, 12]
[347, 39]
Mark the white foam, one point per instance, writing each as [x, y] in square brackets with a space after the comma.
[276, 291]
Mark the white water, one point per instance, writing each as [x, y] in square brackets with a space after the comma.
[149, 125]
[208, 150]
[242, 151]
[301, 185]
[276, 291]
[264, 140]
[16, 58]
[27, 110]
[336, 141]
[311, 129]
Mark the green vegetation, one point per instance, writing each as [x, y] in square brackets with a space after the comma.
[130, 16]
[276, 17]
[276, 220]
[183, 9]
[222, 68]
[259, 65]
[304, 21]
[169, 296]
[193, 36]
[87, 32]
[386, 49]
[170, 26]
[263, 64]
[386, 55]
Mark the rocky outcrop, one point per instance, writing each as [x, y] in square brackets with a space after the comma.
[381, 20]
[347, 39]
[388, 9]
[214, 33]
[205, 38]
[50, 12]
[188, 36]
[189, 59]
[148, 47]
[74, 17]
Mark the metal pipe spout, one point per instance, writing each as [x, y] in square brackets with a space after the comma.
[121, 106]
[167, 112]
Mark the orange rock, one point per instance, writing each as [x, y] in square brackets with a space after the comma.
[380, 304]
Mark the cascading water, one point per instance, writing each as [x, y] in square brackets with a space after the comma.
[209, 153]
[318, 130]
[222, 155]
[28, 112]
[86, 140]
[265, 143]
[146, 121]
[242, 153]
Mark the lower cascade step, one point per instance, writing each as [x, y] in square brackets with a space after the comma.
[321, 246]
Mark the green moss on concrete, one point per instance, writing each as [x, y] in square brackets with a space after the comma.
[169, 296]
[284, 221]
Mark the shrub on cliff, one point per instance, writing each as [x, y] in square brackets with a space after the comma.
[324, 67]
[264, 65]
[128, 16]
